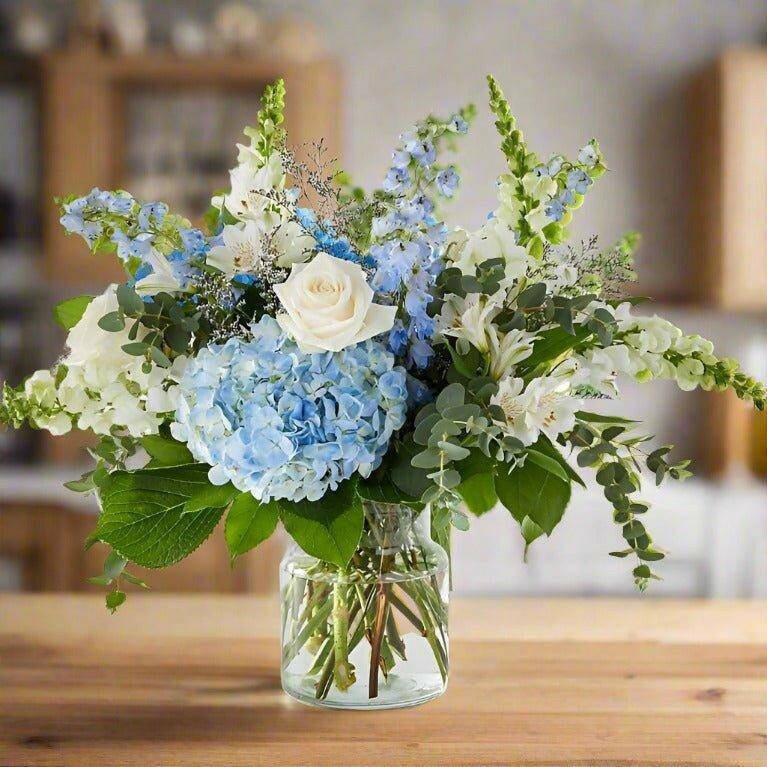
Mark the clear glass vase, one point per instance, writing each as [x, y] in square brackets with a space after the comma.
[372, 634]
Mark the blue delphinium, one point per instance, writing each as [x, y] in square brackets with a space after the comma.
[407, 252]
[280, 423]
[136, 230]
[327, 238]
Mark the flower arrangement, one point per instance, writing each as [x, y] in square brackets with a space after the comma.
[297, 363]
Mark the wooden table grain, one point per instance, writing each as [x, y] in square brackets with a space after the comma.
[194, 681]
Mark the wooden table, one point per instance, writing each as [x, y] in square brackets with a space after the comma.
[194, 681]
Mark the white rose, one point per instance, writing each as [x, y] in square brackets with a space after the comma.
[329, 305]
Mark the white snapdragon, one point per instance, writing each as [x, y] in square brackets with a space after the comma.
[495, 239]
[510, 208]
[599, 369]
[544, 406]
[104, 387]
[251, 183]
[539, 186]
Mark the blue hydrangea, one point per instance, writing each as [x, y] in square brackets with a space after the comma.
[280, 423]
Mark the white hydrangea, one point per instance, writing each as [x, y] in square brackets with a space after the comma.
[45, 409]
[104, 387]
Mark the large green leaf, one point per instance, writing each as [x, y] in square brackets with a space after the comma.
[68, 313]
[550, 345]
[142, 519]
[477, 488]
[478, 493]
[545, 445]
[211, 497]
[249, 523]
[532, 491]
[165, 451]
[380, 489]
[329, 528]
[411, 480]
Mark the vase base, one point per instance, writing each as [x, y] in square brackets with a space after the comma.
[411, 683]
[370, 704]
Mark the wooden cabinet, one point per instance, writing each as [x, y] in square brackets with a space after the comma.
[43, 544]
[728, 163]
[729, 168]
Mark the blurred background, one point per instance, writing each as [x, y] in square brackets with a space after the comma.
[151, 95]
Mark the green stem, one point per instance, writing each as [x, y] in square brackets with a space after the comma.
[343, 671]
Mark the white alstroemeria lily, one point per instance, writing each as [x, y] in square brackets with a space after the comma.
[545, 406]
[247, 248]
[292, 244]
[507, 350]
[470, 318]
[161, 280]
[242, 250]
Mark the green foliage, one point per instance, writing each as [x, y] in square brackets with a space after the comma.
[379, 488]
[329, 528]
[114, 599]
[478, 493]
[605, 444]
[550, 347]
[249, 523]
[211, 497]
[532, 490]
[142, 515]
[165, 451]
[68, 313]
[114, 571]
